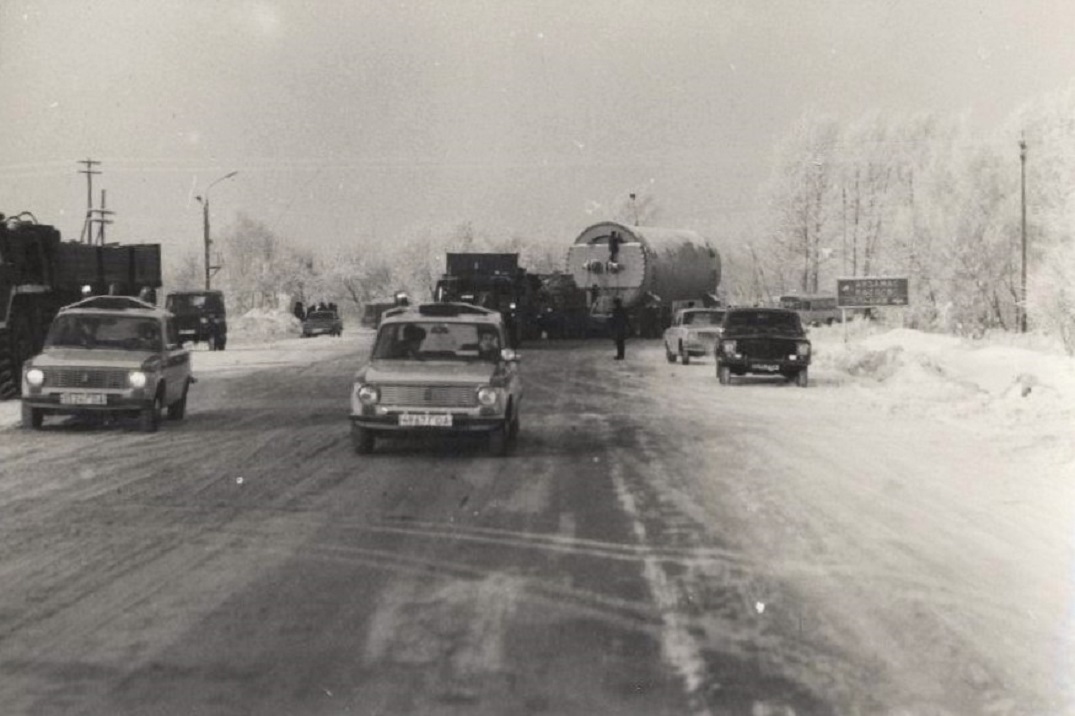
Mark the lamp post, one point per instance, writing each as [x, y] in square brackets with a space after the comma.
[205, 223]
[1022, 191]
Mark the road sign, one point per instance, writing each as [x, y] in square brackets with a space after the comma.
[870, 292]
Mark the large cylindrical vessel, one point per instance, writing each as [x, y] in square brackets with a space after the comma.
[642, 265]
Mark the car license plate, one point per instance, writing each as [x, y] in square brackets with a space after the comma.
[83, 399]
[425, 420]
[767, 367]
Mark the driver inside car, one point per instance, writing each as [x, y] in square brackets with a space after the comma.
[410, 342]
[488, 346]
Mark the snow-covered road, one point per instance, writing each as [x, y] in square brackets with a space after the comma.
[897, 538]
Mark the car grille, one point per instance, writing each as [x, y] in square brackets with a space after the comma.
[436, 396]
[94, 378]
[766, 348]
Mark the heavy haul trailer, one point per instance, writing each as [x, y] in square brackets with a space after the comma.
[647, 268]
[40, 273]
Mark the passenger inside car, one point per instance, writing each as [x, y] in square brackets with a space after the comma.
[149, 337]
[488, 346]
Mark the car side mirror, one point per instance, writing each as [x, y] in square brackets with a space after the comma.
[509, 354]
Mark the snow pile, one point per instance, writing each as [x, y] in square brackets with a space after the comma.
[263, 324]
[1014, 381]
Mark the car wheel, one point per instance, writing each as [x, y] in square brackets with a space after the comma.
[684, 355]
[669, 354]
[150, 417]
[32, 417]
[724, 374]
[802, 378]
[498, 441]
[362, 439]
[178, 409]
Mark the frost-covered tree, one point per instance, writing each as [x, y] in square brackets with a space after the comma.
[184, 272]
[1047, 125]
[800, 203]
[258, 267]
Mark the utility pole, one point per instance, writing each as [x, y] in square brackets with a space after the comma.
[1022, 291]
[89, 171]
[101, 218]
[634, 207]
[205, 226]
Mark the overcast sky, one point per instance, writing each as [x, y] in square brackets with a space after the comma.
[355, 120]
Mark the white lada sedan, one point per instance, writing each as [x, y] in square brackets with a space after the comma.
[438, 368]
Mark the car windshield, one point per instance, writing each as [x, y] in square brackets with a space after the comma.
[322, 315]
[113, 331]
[437, 341]
[703, 318]
[765, 321]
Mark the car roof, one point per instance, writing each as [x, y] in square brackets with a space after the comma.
[115, 305]
[445, 312]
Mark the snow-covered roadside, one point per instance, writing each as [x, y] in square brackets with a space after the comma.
[1018, 386]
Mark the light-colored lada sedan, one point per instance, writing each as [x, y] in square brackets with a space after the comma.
[438, 368]
[108, 355]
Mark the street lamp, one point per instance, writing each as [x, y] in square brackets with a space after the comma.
[205, 222]
[1022, 192]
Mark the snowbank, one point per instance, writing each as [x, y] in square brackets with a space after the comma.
[262, 324]
[1022, 384]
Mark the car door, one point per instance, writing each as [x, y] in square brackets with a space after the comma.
[176, 363]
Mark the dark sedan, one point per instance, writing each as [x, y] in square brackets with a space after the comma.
[766, 341]
[322, 322]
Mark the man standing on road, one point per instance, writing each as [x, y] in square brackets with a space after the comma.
[620, 326]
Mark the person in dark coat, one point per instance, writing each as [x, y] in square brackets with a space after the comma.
[620, 326]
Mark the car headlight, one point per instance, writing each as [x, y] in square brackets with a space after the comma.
[137, 379]
[369, 395]
[35, 377]
[487, 395]
[802, 349]
[728, 347]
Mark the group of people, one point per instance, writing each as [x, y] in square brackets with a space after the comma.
[302, 311]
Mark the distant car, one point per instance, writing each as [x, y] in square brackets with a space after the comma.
[317, 323]
[201, 316]
[813, 310]
[108, 354]
[438, 368]
[694, 332]
[767, 341]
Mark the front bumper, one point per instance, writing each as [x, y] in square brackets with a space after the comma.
[767, 366]
[462, 422]
[126, 402]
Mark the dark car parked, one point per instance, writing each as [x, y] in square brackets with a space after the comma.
[200, 316]
[767, 341]
[322, 322]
